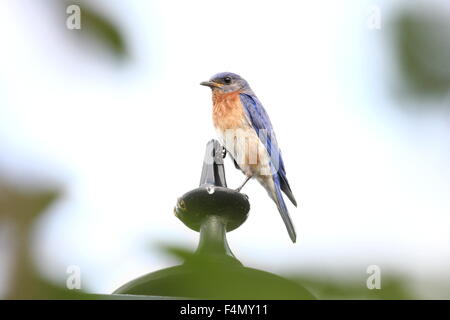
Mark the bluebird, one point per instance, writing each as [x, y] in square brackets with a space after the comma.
[246, 132]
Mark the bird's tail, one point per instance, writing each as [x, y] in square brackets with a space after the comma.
[278, 198]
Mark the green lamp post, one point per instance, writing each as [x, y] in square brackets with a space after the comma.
[213, 272]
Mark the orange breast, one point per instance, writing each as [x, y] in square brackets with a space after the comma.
[227, 110]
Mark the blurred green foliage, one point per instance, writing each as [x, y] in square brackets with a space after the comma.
[394, 287]
[422, 47]
[20, 209]
[98, 27]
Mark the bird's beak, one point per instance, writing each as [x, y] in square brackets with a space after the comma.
[210, 84]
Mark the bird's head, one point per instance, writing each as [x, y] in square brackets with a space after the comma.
[227, 82]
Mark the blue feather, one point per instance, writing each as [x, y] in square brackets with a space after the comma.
[258, 118]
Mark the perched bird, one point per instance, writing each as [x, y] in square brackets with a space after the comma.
[245, 130]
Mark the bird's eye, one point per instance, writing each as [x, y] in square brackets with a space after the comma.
[227, 80]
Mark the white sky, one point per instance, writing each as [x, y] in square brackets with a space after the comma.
[125, 142]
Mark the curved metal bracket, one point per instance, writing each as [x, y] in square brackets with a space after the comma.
[213, 209]
[213, 171]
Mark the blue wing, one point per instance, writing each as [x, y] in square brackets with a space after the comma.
[258, 118]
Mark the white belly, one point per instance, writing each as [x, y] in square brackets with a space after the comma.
[247, 150]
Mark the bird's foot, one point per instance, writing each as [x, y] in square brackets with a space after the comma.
[242, 185]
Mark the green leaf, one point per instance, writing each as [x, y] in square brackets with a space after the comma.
[98, 27]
